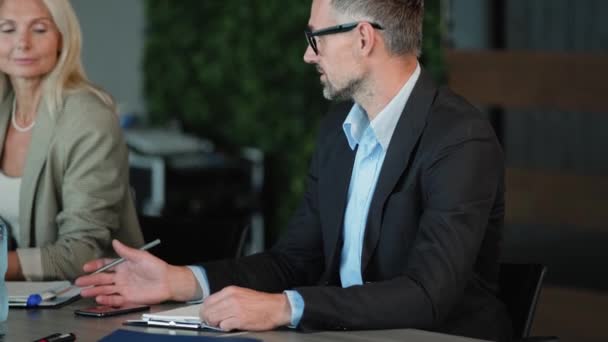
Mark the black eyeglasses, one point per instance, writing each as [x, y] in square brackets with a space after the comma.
[310, 35]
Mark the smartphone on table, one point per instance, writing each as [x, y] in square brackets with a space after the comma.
[108, 311]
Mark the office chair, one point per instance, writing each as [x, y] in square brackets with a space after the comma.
[520, 286]
[191, 241]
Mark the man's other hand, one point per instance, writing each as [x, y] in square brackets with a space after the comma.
[244, 309]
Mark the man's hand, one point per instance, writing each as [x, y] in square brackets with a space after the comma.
[244, 309]
[141, 279]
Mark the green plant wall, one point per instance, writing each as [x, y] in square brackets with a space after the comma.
[232, 70]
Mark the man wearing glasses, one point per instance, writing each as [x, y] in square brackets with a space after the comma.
[400, 223]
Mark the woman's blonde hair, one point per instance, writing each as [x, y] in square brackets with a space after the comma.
[68, 74]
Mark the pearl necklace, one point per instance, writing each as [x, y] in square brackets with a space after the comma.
[16, 125]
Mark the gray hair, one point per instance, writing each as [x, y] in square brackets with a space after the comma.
[401, 20]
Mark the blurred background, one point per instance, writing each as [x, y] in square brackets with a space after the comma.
[220, 113]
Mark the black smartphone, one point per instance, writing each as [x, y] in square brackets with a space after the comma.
[107, 311]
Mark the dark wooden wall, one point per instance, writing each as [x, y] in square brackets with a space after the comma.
[543, 76]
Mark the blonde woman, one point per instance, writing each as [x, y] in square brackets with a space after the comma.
[63, 162]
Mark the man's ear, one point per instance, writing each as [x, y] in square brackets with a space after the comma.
[367, 38]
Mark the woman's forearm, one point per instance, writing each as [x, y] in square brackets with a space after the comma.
[14, 267]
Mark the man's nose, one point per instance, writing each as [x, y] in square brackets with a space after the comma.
[310, 56]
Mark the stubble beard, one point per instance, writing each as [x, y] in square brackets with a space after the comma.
[345, 93]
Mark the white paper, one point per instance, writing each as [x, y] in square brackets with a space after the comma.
[183, 314]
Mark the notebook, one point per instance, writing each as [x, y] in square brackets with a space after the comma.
[186, 317]
[41, 293]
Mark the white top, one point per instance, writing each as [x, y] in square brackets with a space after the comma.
[9, 202]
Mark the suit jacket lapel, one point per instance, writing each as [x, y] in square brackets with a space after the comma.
[333, 187]
[406, 135]
[36, 158]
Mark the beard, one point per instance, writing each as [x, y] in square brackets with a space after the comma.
[344, 93]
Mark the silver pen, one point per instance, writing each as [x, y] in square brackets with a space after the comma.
[121, 260]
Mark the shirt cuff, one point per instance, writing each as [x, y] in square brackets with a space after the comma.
[202, 291]
[297, 307]
[30, 260]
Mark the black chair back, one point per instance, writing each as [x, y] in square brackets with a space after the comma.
[190, 241]
[520, 286]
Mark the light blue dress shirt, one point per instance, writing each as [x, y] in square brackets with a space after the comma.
[372, 139]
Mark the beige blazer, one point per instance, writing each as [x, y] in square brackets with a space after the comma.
[74, 196]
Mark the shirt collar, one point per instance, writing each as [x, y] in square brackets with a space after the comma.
[354, 125]
[385, 122]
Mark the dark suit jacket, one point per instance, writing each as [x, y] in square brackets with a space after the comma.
[430, 252]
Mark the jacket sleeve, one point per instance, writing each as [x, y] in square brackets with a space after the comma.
[297, 259]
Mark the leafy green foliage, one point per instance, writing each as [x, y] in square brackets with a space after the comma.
[432, 54]
[232, 70]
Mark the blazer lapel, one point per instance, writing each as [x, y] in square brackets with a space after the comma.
[406, 135]
[333, 187]
[36, 158]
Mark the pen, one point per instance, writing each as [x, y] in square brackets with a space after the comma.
[120, 260]
[58, 337]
